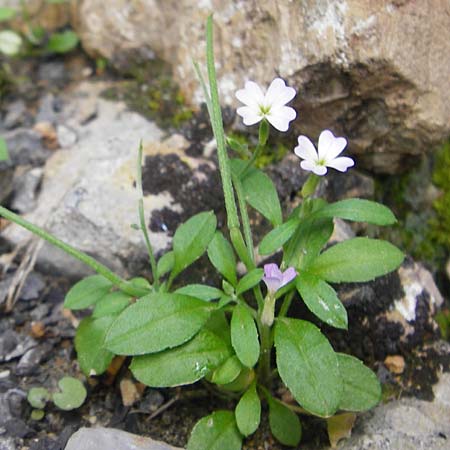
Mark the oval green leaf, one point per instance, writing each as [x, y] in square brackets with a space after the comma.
[322, 300]
[357, 260]
[62, 42]
[157, 322]
[362, 390]
[38, 397]
[221, 255]
[227, 372]
[244, 336]
[166, 263]
[185, 364]
[92, 356]
[284, 424]
[249, 280]
[192, 239]
[217, 431]
[87, 292]
[7, 14]
[111, 304]
[248, 411]
[359, 210]
[201, 291]
[72, 395]
[278, 237]
[308, 366]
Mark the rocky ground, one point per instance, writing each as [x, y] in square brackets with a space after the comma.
[72, 171]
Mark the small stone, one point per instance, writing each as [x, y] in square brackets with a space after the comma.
[37, 329]
[47, 109]
[25, 188]
[30, 361]
[109, 438]
[25, 147]
[48, 133]
[66, 136]
[7, 444]
[152, 400]
[395, 363]
[14, 345]
[129, 391]
[15, 114]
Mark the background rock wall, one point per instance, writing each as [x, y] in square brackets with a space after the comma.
[375, 71]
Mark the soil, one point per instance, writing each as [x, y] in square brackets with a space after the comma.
[39, 333]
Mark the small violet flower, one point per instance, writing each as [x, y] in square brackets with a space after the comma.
[275, 279]
[327, 155]
[270, 106]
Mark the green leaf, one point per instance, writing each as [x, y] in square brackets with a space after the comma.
[259, 191]
[192, 239]
[72, 395]
[7, 14]
[362, 390]
[217, 431]
[142, 283]
[218, 324]
[358, 210]
[357, 260]
[4, 154]
[201, 291]
[242, 382]
[87, 292]
[221, 255]
[284, 424]
[308, 366]
[166, 263]
[157, 322]
[111, 304]
[62, 42]
[244, 336]
[227, 372]
[278, 237]
[248, 411]
[92, 356]
[10, 42]
[322, 300]
[37, 397]
[181, 365]
[310, 237]
[249, 280]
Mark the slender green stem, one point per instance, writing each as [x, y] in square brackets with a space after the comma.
[286, 304]
[265, 355]
[143, 225]
[83, 257]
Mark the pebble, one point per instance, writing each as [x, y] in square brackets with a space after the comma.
[30, 361]
[15, 115]
[7, 444]
[395, 364]
[66, 136]
[109, 438]
[14, 345]
[25, 188]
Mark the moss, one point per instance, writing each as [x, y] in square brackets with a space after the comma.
[150, 90]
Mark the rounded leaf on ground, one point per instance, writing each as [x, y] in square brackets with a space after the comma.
[181, 365]
[308, 366]
[90, 337]
[87, 292]
[248, 411]
[38, 397]
[72, 395]
[157, 322]
[244, 336]
[362, 390]
[357, 260]
[284, 424]
[217, 431]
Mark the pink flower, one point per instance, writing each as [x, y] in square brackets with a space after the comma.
[275, 279]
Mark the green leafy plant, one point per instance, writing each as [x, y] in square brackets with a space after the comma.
[231, 335]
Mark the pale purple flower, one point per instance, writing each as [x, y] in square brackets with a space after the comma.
[270, 105]
[327, 155]
[275, 279]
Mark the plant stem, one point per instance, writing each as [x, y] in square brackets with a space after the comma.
[264, 359]
[83, 257]
[286, 303]
[142, 220]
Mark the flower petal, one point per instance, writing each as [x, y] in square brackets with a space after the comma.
[312, 166]
[342, 163]
[273, 284]
[249, 115]
[280, 117]
[251, 95]
[336, 148]
[325, 145]
[278, 93]
[288, 275]
[305, 149]
[272, 270]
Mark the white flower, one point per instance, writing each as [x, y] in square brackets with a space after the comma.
[327, 155]
[270, 106]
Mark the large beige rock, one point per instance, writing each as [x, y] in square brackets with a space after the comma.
[376, 71]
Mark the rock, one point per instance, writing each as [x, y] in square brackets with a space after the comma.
[48, 109]
[395, 364]
[87, 196]
[108, 438]
[31, 290]
[7, 443]
[406, 424]
[25, 148]
[29, 362]
[357, 65]
[25, 187]
[66, 136]
[15, 114]
[14, 345]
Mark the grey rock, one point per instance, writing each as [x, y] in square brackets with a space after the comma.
[13, 345]
[25, 148]
[109, 438]
[25, 189]
[30, 361]
[47, 109]
[15, 114]
[7, 443]
[66, 136]
[406, 424]
[31, 290]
